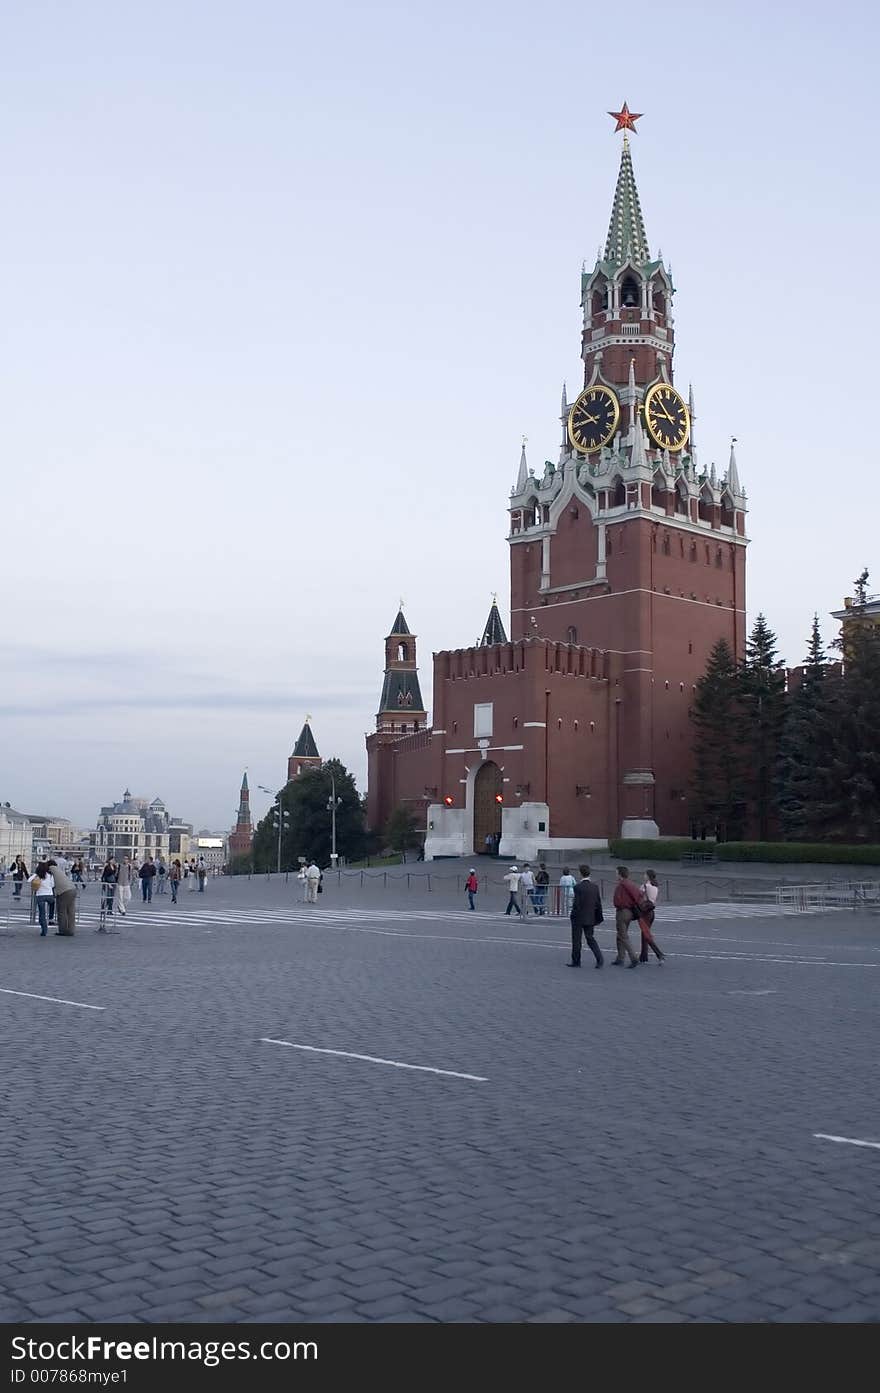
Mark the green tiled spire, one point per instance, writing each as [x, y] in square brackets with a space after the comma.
[626, 232]
[494, 630]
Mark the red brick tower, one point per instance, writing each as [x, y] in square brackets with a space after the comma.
[626, 544]
[401, 715]
[305, 753]
[242, 835]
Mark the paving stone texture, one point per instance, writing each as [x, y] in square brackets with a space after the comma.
[642, 1149]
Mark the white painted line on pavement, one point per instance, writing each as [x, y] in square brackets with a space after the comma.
[761, 991]
[59, 1000]
[374, 1059]
[848, 1141]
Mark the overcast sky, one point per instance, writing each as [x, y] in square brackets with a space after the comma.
[284, 284]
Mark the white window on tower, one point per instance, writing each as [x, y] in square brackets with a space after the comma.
[483, 719]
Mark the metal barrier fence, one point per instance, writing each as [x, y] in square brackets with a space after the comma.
[832, 894]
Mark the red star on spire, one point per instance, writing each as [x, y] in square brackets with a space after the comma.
[626, 119]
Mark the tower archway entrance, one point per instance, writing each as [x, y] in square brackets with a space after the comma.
[487, 809]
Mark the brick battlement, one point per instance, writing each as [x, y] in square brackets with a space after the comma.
[532, 654]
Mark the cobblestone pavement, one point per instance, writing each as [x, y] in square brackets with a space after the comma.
[614, 1146]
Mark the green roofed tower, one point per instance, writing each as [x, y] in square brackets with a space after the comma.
[401, 708]
[494, 630]
[305, 753]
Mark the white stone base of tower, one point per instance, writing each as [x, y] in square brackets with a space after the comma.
[638, 827]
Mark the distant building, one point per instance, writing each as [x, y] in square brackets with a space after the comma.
[242, 836]
[16, 835]
[305, 754]
[857, 612]
[211, 846]
[136, 828]
[57, 836]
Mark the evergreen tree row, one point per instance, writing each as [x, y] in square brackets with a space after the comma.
[800, 762]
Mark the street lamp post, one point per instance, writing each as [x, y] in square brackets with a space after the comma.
[332, 804]
[279, 818]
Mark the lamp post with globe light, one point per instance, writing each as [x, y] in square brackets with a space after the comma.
[280, 816]
[332, 804]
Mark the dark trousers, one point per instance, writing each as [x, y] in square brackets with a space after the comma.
[65, 908]
[45, 906]
[589, 933]
[147, 889]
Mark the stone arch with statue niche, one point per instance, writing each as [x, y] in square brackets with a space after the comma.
[487, 809]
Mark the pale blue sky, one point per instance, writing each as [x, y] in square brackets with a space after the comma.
[283, 285]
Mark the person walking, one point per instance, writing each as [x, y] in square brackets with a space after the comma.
[65, 900]
[147, 873]
[161, 876]
[191, 876]
[109, 876]
[512, 881]
[489, 844]
[202, 874]
[566, 891]
[77, 873]
[43, 885]
[586, 913]
[650, 895]
[527, 889]
[19, 876]
[626, 903]
[302, 877]
[542, 882]
[313, 878]
[174, 876]
[122, 894]
[471, 885]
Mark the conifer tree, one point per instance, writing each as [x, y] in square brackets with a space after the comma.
[851, 808]
[761, 690]
[804, 756]
[718, 793]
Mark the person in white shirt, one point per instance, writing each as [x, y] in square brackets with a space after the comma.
[566, 885]
[43, 884]
[527, 889]
[313, 876]
[650, 893]
[511, 880]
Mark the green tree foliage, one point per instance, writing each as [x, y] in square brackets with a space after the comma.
[307, 822]
[806, 745]
[718, 795]
[402, 833]
[760, 687]
[849, 756]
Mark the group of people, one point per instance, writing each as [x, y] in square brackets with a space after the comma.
[55, 895]
[528, 889]
[311, 880]
[631, 902]
[582, 902]
[117, 878]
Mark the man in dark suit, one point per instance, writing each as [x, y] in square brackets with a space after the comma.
[586, 913]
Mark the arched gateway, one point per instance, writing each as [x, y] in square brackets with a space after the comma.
[487, 807]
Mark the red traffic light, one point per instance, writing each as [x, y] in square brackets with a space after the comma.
[499, 797]
[449, 800]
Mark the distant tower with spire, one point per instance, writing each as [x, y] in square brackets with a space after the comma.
[401, 716]
[242, 835]
[305, 753]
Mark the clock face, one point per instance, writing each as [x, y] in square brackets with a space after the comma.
[593, 419]
[666, 417]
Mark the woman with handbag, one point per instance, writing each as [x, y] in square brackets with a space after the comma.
[650, 892]
[43, 885]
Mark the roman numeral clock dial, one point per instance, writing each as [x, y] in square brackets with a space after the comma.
[666, 417]
[593, 419]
